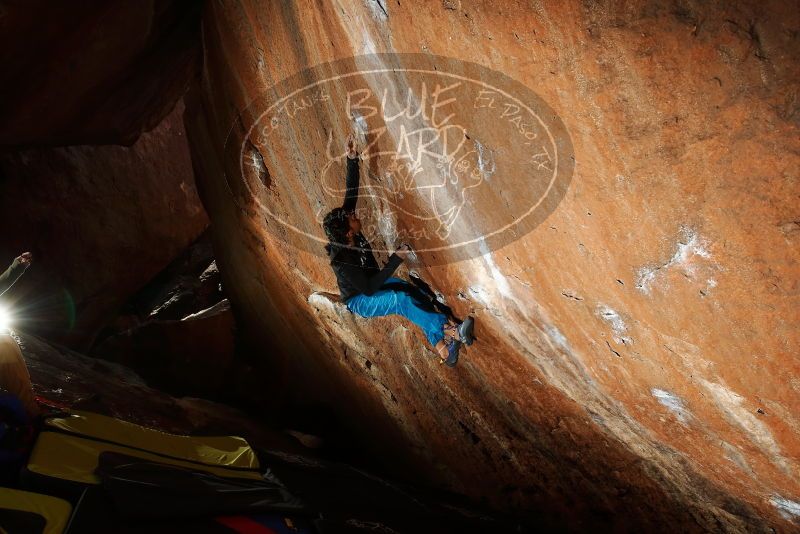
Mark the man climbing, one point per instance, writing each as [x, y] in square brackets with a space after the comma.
[370, 291]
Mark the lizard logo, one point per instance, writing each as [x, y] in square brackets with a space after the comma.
[455, 157]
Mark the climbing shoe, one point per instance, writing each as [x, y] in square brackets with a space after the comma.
[452, 353]
[465, 331]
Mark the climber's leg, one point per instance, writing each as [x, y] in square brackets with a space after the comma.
[423, 301]
[392, 301]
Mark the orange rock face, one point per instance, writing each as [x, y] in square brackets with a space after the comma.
[637, 362]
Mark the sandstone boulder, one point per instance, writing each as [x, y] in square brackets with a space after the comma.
[638, 347]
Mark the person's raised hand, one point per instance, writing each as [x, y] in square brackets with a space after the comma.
[352, 148]
[25, 258]
[403, 251]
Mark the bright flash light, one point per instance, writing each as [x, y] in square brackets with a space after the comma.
[5, 319]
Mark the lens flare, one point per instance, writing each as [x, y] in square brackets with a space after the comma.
[5, 319]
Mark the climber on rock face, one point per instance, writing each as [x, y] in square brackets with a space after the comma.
[370, 291]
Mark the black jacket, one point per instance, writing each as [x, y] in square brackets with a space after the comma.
[355, 267]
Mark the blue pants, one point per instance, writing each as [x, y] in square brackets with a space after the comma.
[392, 301]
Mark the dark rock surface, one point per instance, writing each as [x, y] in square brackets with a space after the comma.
[92, 72]
[193, 356]
[178, 332]
[189, 284]
[63, 377]
[101, 222]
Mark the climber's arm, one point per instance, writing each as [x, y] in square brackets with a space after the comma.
[369, 284]
[14, 271]
[351, 196]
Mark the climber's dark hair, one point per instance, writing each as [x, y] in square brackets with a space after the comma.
[336, 225]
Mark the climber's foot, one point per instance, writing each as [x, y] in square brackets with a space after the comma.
[453, 346]
[465, 331]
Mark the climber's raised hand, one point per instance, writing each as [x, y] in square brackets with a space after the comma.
[403, 250]
[25, 258]
[352, 147]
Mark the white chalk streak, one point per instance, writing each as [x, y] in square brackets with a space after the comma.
[673, 403]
